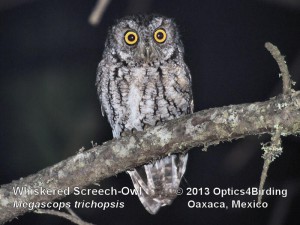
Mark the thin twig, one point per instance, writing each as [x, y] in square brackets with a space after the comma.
[98, 12]
[72, 212]
[284, 71]
[271, 152]
[75, 219]
[263, 178]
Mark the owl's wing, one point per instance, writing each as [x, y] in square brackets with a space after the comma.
[188, 75]
[157, 184]
[142, 189]
[98, 85]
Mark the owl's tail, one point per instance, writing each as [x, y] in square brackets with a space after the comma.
[157, 183]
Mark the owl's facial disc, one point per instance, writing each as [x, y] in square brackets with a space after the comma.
[145, 39]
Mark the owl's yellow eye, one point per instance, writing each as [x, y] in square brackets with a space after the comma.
[160, 35]
[131, 37]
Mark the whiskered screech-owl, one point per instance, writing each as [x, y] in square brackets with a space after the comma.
[143, 80]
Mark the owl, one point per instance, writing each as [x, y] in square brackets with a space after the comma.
[142, 80]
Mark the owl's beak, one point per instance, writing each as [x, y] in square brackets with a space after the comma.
[146, 53]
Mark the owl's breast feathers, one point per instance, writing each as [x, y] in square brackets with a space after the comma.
[133, 97]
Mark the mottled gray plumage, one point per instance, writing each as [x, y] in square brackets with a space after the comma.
[143, 84]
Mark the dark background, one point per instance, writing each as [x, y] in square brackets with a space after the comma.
[49, 107]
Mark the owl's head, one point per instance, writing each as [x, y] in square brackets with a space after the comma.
[143, 39]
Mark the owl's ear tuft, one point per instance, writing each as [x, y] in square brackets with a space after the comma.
[169, 20]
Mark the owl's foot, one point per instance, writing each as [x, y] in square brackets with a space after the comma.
[126, 133]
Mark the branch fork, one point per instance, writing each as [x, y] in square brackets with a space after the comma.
[273, 149]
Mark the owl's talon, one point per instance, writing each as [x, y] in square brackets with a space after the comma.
[125, 133]
[159, 123]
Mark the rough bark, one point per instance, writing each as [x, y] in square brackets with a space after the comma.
[204, 128]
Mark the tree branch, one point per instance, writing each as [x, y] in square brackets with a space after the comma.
[204, 128]
[98, 12]
[274, 148]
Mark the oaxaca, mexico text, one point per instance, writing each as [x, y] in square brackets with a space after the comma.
[235, 204]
